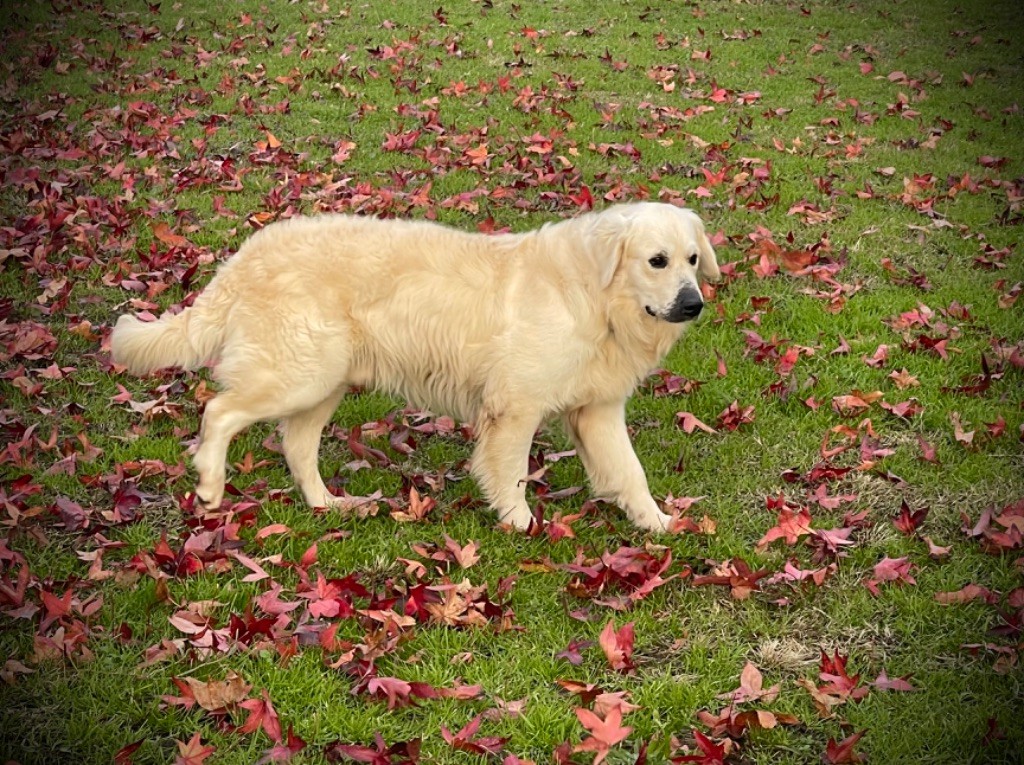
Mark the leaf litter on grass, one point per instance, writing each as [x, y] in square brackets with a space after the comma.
[862, 185]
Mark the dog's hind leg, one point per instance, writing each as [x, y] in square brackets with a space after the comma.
[262, 391]
[226, 415]
[302, 445]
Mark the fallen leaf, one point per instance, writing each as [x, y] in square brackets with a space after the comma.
[842, 752]
[618, 646]
[193, 753]
[604, 733]
[219, 694]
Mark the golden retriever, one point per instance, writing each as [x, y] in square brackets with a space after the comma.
[501, 331]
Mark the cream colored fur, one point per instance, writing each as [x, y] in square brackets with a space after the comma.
[501, 331]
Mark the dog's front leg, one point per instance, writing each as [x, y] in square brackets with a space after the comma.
[500, 462]
[602, 442]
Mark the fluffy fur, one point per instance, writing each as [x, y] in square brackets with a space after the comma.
[501, 331]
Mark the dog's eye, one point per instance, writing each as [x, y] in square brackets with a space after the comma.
[659, 261]
[693, 259]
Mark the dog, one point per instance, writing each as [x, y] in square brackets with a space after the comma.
[504, 331]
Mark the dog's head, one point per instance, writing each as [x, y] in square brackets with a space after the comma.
[657, 254]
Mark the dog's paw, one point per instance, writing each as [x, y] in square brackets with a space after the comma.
[517, 517]
[653, 522]
[209, 500]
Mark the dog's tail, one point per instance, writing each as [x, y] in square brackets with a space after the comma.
[188, 339]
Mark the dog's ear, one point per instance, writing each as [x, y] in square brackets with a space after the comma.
[605, 244]
[707, 263]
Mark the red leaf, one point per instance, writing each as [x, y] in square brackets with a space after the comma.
[935, 551]
[464, 556]
[193, 753]
[882, 682]
[733, 416]
[836, 754]
[572, 652]
[465, 740]
[890, 570]
[405, 752]
[790, 527]
[123, 756]
[992, 162]
[751, 687]
[689, 423]
[965, 438]
[309, 557]
[618, 646]
[397, 691]
[711, 753]
[604, 733]
[283, 752]
[908, 521]
[736, 575]
[928, 453]
[262, 715]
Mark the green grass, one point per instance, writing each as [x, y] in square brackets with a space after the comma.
[114, 117]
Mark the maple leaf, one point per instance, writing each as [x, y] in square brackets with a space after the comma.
[123, 756]
[828, 542]
[712, 753]
[270, 602]
[751, 687]
[736, 575]
[403, 753]
[452, 610]
[605, 702]
[465, 556]
[689, 423]
[417, 510]
[572, 652]
[261, 715]
[397, 691]
[855, 403]
[792, 573]
[193, 753]
[882, 682]
[838, 683]
[604, 733]
[890, 570]
[283, 752]
[258, 572]
[928, 452]
[342, 151]
[935, 552]
[908, 521]
[790, 527]
[56, 608]
[842, 752]
[733, 416]
[618, 646]
[466, 739]
[219, 694]
[966, 594]
[964, 437]
[586, 691]
[163, 232]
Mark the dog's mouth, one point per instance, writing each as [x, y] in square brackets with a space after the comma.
[650, 311]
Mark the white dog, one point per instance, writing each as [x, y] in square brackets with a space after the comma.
[501, 331]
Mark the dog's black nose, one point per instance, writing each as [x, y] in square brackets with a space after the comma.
[687, 306]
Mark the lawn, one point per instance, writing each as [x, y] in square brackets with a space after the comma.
[841, 434]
